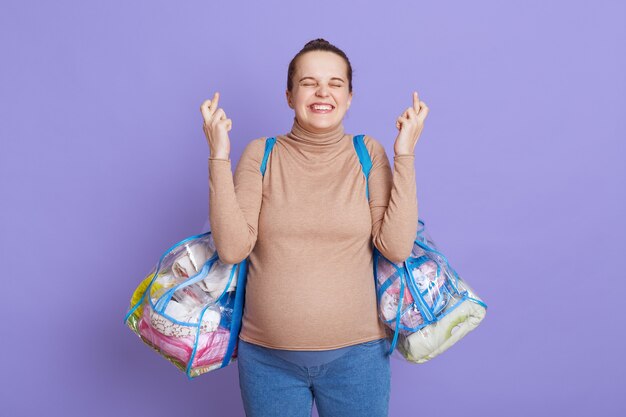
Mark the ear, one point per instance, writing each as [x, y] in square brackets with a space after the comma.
[288, 96]
[349, 101]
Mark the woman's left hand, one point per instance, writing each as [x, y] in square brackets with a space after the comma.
[410, 125]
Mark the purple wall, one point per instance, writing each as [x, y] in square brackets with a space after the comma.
[520, 170]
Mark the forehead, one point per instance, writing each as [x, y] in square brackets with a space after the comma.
[321, 64]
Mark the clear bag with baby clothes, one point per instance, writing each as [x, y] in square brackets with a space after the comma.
[189, 307]
[425, 306]
[423, 302]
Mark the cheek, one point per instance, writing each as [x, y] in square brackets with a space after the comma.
[301, 100]
[343, 99]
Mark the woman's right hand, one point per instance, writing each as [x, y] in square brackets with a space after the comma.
[216, 127]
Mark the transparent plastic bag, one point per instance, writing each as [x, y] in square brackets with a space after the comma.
[189, 307]
[423, 302]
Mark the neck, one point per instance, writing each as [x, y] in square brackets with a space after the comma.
[303, 136]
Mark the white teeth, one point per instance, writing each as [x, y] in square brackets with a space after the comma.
[322, 107]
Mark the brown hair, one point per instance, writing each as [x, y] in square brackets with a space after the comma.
[318, 44]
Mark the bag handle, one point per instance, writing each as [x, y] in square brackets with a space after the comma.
[364, 159]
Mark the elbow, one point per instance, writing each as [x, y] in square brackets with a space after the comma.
[230, 258]
[398, 257]
[231, 251]
[398, 254]
[231, 254]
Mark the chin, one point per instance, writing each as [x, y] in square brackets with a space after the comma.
[322, 123]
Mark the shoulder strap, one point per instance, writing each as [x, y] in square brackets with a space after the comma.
[269, 144]
[364, 159]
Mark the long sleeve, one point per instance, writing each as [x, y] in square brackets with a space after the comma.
[235, 202]
[393, 202]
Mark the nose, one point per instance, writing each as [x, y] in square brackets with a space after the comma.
[321, 91]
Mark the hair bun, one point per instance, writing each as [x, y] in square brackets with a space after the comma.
[316, 42]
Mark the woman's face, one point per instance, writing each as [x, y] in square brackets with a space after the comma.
[320, 78]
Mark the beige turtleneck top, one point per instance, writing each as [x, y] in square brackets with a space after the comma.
[307, 229]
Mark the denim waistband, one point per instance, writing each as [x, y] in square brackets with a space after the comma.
[309, 358]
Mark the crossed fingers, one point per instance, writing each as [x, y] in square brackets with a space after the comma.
[416, 113]
[207, 108]
[419, 109]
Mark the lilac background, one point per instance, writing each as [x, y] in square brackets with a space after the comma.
[520, 171]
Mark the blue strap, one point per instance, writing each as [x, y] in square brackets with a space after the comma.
[269, 144]
[235, 323]
[364, 159]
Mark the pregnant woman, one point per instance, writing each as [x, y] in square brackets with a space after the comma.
[310, 328]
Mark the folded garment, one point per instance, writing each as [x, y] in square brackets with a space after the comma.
[182, 314]
[217, 279]
[437, 337]
[191, 261]
[192, 258]
[211, 345]
[409, 316]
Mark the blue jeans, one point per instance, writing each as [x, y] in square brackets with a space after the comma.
[356, 384]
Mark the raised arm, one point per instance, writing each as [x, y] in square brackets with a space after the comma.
[393, 202]
[235, 202]
[393, 198]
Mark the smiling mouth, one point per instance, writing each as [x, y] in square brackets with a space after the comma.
[321, 109]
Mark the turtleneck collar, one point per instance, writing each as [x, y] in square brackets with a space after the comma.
[304, 137]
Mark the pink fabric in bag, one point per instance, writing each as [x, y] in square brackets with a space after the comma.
[211, 345]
